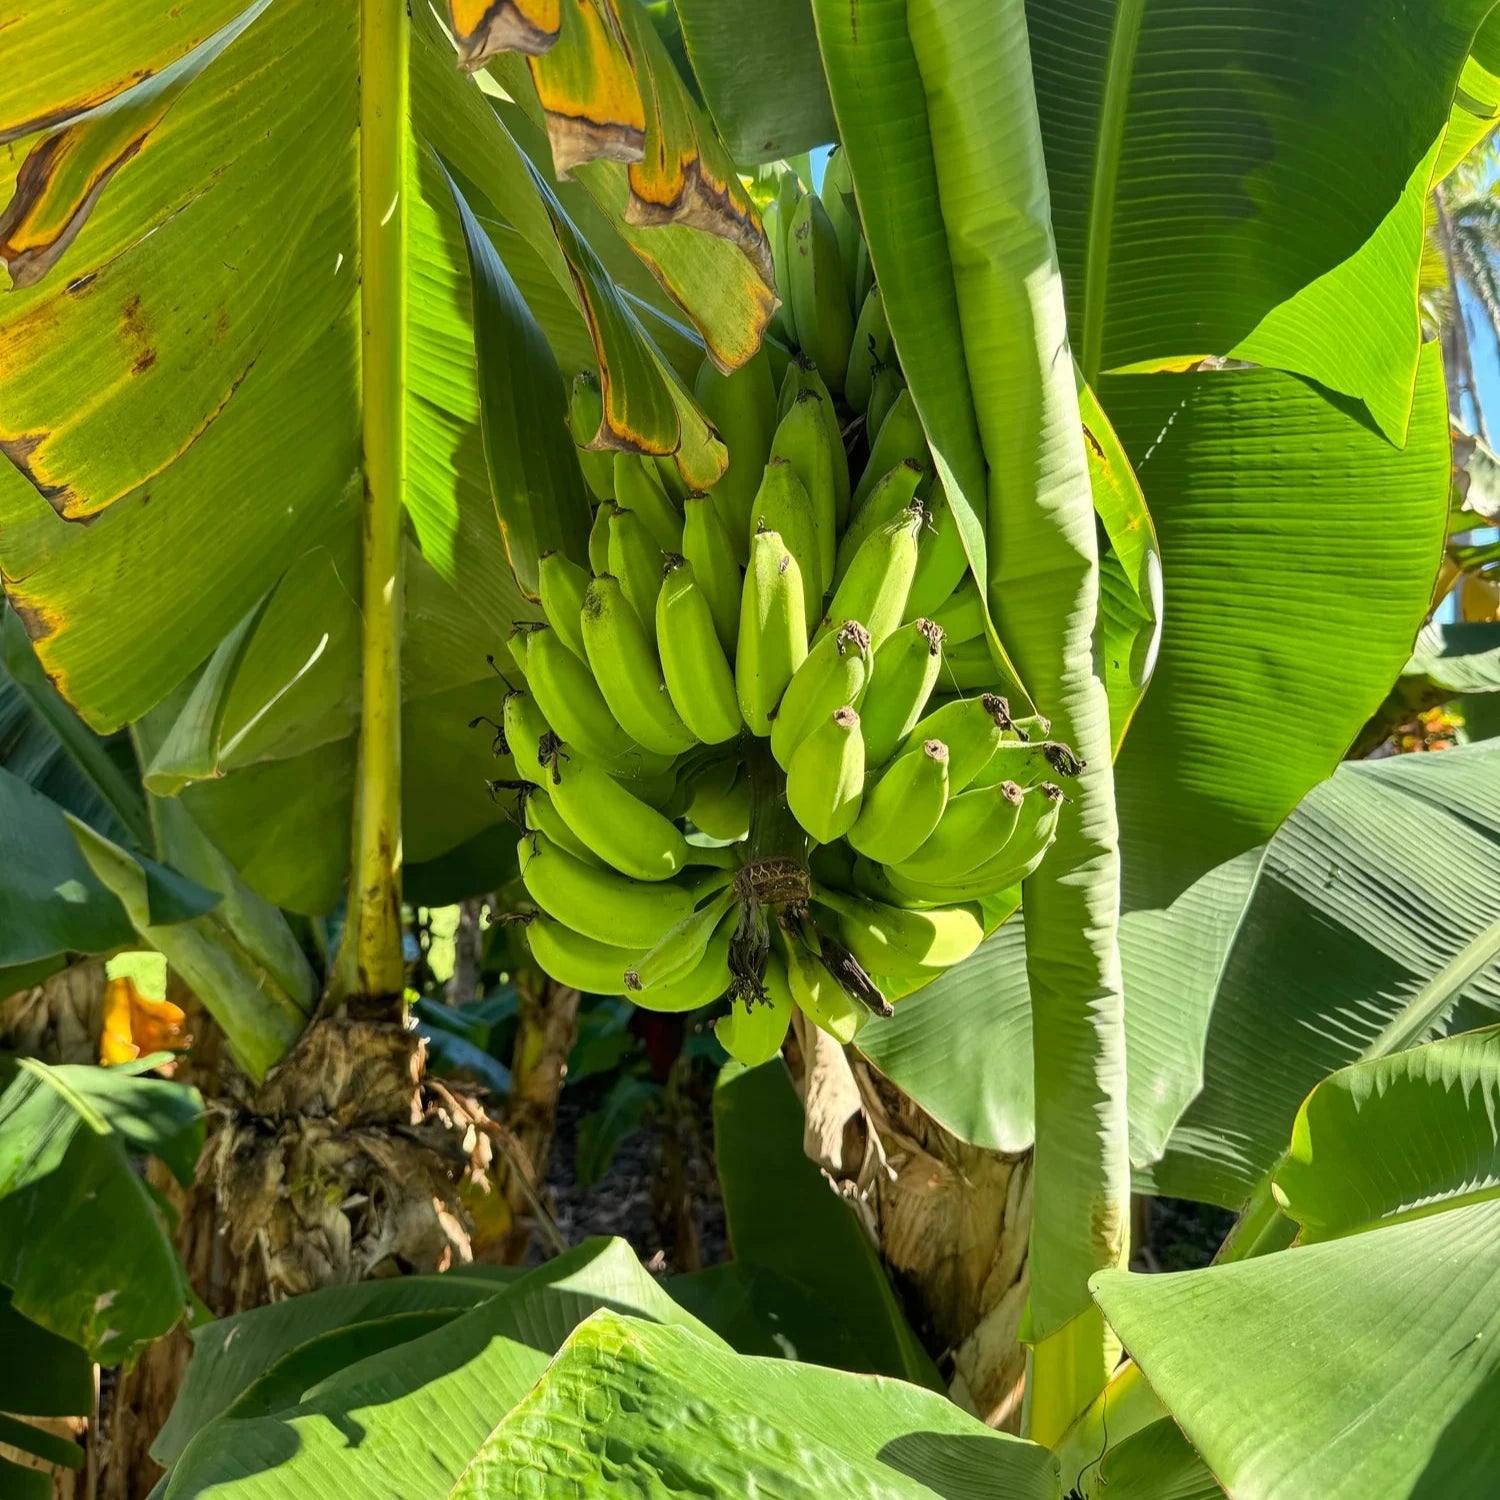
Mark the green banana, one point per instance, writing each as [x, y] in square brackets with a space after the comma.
[838, 198]
[706, 544]
[1035, 830]
[562, 585]
[742, 407]
[526, 730]
[709, 978]
[782, 505]
[585, 418]
[681, 949]
[825, 779]
[602, 904]
[941, 560]
[869, 353]
[900, 437]
[901, 810]
[540, 815]
[875, 587]
[885, 390]
[971, 728]
[803, 440]
[888, 498]
[721, 804]
[773, 630]
[975, 825]
[612, 821]
[962, 614]
[776, 221]
[897, 944]
[904, 674]
[820, 300]
[638, 489]
[753, 1031]
[635, 559]
[668, 475]
[967, 667]
[1028, 763]
[599, 538]
[818, 995]
[802, 376]
[582, 963]
[699, 678]
[567, 693]
[835, 673]
[626, 669]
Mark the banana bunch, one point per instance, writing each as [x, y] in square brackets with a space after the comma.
[757, 751]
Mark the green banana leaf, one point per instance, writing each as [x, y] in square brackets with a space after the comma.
[1362, 1366]
[1181, 144]
[1476, 105]
[627, 1404]
[84, 1247]
[780, 105]
[1373, 926]
[768, 1182]
[43, 1376]
[1396, 1138]
[1156, 1463]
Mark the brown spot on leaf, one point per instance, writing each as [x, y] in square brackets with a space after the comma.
[484, 27]
[20, 451]
[146, 359]
[38, 619]
[1093, 442]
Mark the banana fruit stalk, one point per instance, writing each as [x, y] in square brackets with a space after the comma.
[759, 760]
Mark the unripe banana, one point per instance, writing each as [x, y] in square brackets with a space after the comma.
[835, 673]
[803, 440]
[638, 489]
[562, 585]
[699, 678]
[782, 505]
[904, 675]
[967, 667]
[635, 559]
[941, 560]
[621, 829]
[540, 815]
[1009, 866]
[875, 587]
[680, 950]
[900, 438]
[569, 698]
[976, 825]
[899, 944]
[752, 1033]
[599, 538]
[602, 904]
[869, 353]
[526, 730]
[773, 630]
[582, 963]
[962, 614]
[721, 804]
[820, 300]
[709, 978]
[971, 728]
[838, 198]
[585, 418]
[706, 544]
[892, 495]
[669, 476]
[884, 393]
[901, 810]
[819, 996]
[742, 407]
[802, 378]
[825, 780]
[626, 669]
[1028, 763]
[776, 221]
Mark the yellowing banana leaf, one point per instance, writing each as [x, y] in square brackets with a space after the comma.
[484, 27]
[1351, 1164]
[1181, 143]
[780, 106]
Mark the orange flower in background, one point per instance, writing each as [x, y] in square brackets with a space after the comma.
[135, 1026]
